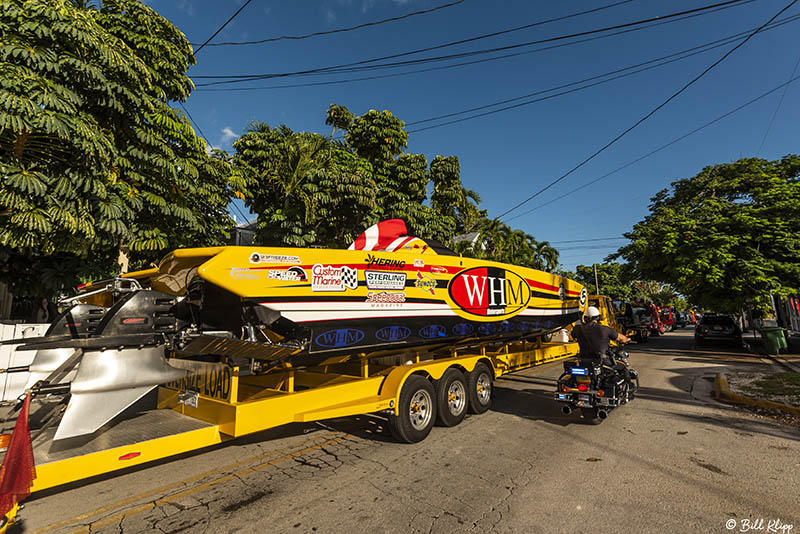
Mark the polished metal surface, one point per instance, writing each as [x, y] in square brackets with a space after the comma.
[109, 381]
[238, 348]
[144, 426]
[47, 361]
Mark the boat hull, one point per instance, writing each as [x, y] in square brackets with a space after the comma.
[363, 301]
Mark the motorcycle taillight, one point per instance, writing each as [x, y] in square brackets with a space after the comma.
[583, 387]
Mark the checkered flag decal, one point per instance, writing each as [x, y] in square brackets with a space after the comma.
[349, 277]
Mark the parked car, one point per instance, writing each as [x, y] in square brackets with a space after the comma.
[714, 327]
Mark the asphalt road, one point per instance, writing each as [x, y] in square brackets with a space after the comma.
[674, 460]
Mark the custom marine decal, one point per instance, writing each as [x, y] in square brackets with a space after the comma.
[488, 293]
[329, 278]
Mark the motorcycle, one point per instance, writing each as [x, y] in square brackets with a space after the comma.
[597, 388]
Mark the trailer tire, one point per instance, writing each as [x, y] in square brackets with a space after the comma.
[417, 411]
[479, 389]
[451, 398]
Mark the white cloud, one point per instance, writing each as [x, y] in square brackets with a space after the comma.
[228, 135]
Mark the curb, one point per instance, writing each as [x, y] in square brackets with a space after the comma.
[785, 363]
[723, 392]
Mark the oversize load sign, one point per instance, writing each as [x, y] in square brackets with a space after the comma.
[208, 379]
[488, 293]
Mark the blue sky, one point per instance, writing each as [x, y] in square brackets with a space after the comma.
[509, 155]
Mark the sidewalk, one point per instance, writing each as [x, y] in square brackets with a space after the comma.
[790, 359]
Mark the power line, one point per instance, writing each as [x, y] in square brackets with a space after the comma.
[222, 27]
[659, 149]
[340, 30]
[778, 107]
[622, 74]
[706, 47]
[362, 65]
[650, 113]
[204, 87]
[193, 122]
[588, 240]
[233, 203]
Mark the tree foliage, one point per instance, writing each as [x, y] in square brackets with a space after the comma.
[92, 156]
[726, 237]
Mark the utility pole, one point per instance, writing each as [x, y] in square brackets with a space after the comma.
[596, 285]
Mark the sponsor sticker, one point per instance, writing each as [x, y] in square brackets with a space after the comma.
[463, 329]
[419, 263]
[393, 333]
[385, 299]
[432, 331]
[384, 263]
[255, 257]
[243, 273]
[488, 293]
[383, 280]
[435, 269]
[425, 282]
[329, 278]
[292, 274]
[343, 337]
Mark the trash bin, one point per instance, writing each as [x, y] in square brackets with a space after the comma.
[774, 340]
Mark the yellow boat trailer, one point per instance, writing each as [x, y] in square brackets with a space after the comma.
[218, 405]
[227, 406]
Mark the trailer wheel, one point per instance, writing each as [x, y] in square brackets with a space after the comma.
[451, 398]
[479, 389]
[417, 411]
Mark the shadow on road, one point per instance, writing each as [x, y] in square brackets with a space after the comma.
[534, 404]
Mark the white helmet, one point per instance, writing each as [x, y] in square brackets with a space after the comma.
[591, 313]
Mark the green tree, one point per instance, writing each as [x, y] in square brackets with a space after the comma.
[303, 190]
[726, 237]
[93, 159]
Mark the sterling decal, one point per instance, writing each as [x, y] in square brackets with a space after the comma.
[424, 281]
[255, 257]
[393, 333]
[329, 278]
[343, 337]
[488, 293]
[383, 280]
[384, 263]
[292, 274]
[385, 299]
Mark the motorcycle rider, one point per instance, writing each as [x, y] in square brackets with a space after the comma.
[593, 339]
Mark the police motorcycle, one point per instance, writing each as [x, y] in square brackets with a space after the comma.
[597, 387]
